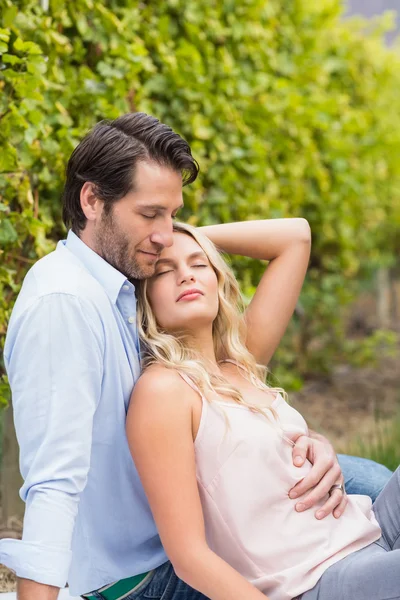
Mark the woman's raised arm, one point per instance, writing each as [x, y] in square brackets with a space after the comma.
[286, 244]
[159, 431]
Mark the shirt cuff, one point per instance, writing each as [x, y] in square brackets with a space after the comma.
[33, 561]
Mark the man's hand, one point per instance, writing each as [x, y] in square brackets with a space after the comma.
[324, 474]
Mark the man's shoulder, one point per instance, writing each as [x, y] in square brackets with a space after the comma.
[58, 286]
[61, 272]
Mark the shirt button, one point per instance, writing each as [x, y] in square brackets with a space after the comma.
[132, 320]
[126, 288]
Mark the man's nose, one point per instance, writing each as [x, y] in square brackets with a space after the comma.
[163, 237]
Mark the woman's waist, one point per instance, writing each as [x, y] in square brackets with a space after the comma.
[274, 533]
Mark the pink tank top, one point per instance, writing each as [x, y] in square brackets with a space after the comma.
[244, 473]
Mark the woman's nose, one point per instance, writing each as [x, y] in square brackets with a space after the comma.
[187, 276]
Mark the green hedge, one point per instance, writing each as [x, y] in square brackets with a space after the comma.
[289, 109]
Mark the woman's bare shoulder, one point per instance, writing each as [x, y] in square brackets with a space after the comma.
[158, 383]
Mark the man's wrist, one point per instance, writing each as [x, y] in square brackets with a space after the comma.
[317, 436]
[32, 590]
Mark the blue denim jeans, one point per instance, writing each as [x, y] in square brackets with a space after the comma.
[361, 476]
[372, 573]
[164, 585]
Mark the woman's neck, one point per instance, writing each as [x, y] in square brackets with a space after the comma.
[202, 342]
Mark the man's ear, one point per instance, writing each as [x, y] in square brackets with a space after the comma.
[90, 203]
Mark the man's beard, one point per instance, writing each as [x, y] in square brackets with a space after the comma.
[113, 245]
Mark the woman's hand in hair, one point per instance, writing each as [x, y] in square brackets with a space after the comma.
[325, 473]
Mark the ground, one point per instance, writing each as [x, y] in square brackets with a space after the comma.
[351, 401]
[7, 580]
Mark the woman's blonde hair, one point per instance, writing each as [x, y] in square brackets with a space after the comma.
[173, 350]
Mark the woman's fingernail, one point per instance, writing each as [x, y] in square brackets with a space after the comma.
[320, 514]
[293, 495]
[300, 506]
[298, 460]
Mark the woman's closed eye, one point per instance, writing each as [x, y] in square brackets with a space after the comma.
[171, 270]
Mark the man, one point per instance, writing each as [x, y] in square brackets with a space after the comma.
[72, 357]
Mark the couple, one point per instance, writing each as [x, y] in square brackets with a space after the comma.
[228, 495]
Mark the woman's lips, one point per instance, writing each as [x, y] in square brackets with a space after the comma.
[189, 295]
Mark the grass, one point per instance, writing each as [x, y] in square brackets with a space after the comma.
[381, 445]
[1, 434]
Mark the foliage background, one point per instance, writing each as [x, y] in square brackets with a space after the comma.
[290, 110]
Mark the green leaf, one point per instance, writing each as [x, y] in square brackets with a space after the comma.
[9, 15]
[18, 45]
[8, 234]
[4, 35]
[26, 47]
[289, 109]
[8, 158]
[11, 59]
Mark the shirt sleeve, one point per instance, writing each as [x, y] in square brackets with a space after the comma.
[55, 367]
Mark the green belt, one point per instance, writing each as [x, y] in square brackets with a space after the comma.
[119, 589]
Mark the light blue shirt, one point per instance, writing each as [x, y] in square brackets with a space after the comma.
[72, 360]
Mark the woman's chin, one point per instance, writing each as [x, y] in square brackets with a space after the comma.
[191, 325]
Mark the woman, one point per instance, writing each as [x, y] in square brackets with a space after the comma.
[212, 443]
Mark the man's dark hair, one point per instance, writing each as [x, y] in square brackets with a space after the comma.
[108, 155]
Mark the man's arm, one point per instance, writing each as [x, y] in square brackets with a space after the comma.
[54, 364]
[31, 590]
[321, 438]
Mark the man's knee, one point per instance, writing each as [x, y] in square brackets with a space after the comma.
[363, 476]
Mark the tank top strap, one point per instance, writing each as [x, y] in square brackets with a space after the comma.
[194, 387]
[234, 362]
[237, 364]
[252, 377]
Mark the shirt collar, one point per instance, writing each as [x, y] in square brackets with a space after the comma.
[108, 277]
